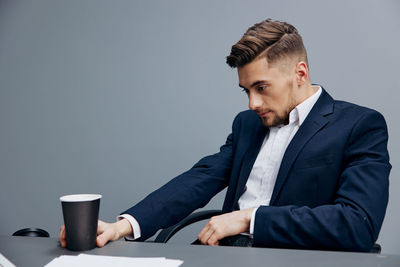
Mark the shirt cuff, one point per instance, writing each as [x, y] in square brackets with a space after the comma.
[135, 226]
[252, 220]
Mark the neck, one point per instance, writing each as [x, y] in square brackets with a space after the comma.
[306, 91]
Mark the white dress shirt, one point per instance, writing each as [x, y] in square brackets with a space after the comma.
[261, 182]
[262, 178]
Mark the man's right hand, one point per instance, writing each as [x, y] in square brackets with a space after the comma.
[105, 232]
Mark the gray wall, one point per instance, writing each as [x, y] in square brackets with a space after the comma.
[118, 97]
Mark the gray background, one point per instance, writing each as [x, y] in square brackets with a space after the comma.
[118, 97]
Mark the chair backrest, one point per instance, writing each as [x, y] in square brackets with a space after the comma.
[167, 233]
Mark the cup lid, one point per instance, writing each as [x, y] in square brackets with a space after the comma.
[79, 197]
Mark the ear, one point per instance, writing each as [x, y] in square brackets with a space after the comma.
[301, 73]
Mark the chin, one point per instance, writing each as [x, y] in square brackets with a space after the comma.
[274, 121]
[267, 122]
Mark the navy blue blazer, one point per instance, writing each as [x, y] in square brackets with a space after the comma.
[331, 191]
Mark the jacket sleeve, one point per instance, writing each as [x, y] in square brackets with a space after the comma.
[353, 220]
[185, 193]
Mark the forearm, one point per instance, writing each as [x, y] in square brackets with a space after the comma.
[177, 199]
[228, 224]
[332, 227]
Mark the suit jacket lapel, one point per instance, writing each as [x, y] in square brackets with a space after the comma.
[248, 161]
[314, 122]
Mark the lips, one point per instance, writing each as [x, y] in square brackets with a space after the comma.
[264, 114]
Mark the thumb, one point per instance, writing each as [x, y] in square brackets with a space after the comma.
[103, 238]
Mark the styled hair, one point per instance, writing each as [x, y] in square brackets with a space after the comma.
[270, 38]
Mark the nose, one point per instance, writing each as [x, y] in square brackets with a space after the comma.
[255, 101]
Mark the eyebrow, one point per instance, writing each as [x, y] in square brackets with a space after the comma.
[253, 84]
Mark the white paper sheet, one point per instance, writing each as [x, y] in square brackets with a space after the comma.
[4, 262]
[106, 261]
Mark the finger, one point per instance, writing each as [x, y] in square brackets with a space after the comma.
[62, 236]
[101, 226]
[205, 229]
[202, 232]
[101, 240]
[106, 236]
[205, 236]
[213, 240]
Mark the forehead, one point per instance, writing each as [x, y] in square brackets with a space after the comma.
[258, 70]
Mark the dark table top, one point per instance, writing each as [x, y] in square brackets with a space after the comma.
[38, 251]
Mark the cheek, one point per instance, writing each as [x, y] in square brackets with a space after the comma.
[278, 104]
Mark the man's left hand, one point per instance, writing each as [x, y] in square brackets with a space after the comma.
[224, 225]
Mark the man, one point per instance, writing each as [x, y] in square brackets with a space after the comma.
[302, 170]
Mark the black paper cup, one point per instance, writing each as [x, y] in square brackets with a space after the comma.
[81, 213]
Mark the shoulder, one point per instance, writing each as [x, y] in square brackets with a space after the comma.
[343, 111]
[356, 113]
[247, 118]
[362, 124]
[247, 115]
[246, 125]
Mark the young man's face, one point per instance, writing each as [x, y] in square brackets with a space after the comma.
[271, 90]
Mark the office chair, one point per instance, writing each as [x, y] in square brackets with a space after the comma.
[35, 232]
[167, 233]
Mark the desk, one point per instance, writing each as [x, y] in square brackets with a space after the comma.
[38, 251]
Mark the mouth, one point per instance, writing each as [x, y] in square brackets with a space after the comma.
[264, 114]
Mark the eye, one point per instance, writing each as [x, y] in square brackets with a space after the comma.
[245, 90]
[261, 88]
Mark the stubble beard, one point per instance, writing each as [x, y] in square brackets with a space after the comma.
[281, 119]
[277, 120]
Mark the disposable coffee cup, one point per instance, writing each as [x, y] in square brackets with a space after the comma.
[81, 213]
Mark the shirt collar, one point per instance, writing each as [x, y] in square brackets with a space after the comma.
[301, 110]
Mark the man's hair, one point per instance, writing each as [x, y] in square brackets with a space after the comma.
[273, 39]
